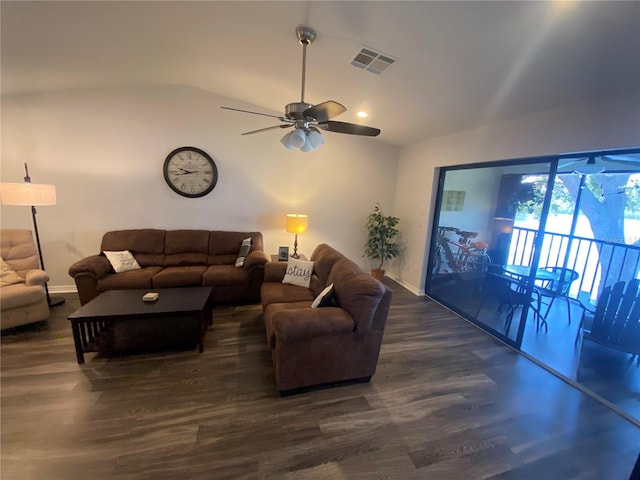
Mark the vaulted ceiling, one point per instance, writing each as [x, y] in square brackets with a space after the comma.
[459, 64]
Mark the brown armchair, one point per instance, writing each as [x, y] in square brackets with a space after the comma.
[319, 346]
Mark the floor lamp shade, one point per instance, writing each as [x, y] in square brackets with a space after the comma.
[296, 223]
[33, 195]
[27, 194]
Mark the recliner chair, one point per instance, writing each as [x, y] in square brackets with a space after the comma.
[22, 294]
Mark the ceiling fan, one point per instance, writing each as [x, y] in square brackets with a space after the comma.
[306, 119]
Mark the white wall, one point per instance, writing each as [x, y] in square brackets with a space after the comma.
[104, 151]
[612, 122]
[480, 197]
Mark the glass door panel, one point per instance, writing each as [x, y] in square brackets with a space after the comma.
[584, 232]
[480, 263]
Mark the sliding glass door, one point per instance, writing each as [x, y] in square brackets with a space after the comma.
[525, 249]
[472, 266]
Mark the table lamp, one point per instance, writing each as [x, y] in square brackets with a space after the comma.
[34, 195]
[296, 223]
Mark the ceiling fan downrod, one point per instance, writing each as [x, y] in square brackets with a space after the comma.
[306, 36]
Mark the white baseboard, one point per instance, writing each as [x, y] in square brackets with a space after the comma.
[411, 288]
[63, 289]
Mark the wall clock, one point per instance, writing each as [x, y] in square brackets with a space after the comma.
[190, 172]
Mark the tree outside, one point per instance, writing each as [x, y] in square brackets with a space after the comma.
[610, 202]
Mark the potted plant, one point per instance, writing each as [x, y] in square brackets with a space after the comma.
[382, 241]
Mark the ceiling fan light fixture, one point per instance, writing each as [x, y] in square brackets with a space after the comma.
[315, 138]
[285, 140]
[297, 138]
[307, 147]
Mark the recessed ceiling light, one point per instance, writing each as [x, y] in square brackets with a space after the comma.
[362, 114]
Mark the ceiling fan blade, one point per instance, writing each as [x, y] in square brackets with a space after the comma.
[256, 113]
[267, 128]
[324, 111]
[351, 128]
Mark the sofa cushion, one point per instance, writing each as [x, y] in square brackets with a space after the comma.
[178, 277]
[19, 295]
[8, 275]
[185, 247]
[298, 272]
[147, 245]
[276, 292]
[224, 275]
[121, 261]
[228, 243]
[132, 279]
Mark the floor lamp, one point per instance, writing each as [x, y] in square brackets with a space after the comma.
[33, 195]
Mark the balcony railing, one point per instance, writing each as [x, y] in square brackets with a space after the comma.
[599, 263]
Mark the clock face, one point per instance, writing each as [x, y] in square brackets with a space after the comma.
[190, 172]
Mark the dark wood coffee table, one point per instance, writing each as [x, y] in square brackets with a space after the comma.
[93, 324]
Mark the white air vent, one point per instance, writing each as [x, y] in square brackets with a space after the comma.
[372, 61]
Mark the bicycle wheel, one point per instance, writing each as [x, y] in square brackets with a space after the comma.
[485, 261]
[437, 264]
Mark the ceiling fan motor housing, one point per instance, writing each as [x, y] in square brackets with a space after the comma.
[294, 111]
[306, 35]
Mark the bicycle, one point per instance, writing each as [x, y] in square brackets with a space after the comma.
[462, 255]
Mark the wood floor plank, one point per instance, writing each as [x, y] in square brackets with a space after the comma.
[447, 401]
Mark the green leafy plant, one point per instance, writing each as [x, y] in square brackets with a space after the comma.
[382, 241]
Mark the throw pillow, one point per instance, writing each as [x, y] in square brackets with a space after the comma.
[326, 298]
[298, 272]
[244, 251]
[8, 275]
[122, 261]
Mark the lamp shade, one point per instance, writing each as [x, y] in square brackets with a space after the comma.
[296, 223]
[36, 194]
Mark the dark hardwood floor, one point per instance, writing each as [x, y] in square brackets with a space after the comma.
[448, 402]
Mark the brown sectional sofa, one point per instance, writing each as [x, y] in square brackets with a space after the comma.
[176, 258]
[316, 346]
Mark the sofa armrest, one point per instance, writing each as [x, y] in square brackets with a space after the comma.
[255, 257]
[36, 277]
[96, 265]
[305, 323]
[274, 271]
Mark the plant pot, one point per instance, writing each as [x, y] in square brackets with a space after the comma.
[377, 273]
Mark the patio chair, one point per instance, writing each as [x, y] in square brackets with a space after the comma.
[558, 288]
[616, 320]
[510, 293]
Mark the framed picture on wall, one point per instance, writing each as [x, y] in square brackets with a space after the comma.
[283, 253]
[453, 200]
